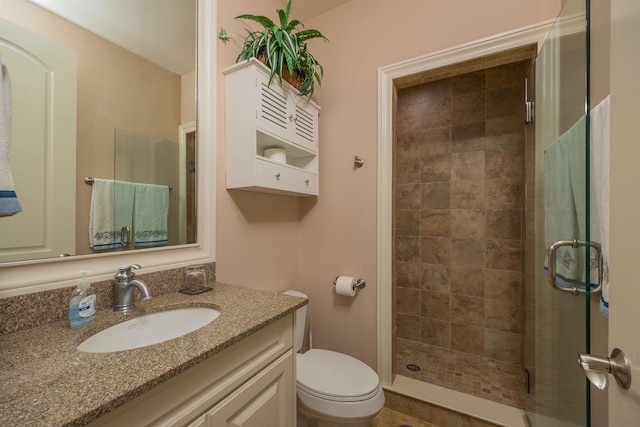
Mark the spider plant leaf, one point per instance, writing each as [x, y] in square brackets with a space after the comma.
[279, 65]
[262, 20]
[273, 58]
[284, 18]
[291, 49]
[288, 9]
[305, 35]
[292, 25]
[270, 51]
[289, 44]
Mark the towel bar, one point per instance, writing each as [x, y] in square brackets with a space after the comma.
[89, 180]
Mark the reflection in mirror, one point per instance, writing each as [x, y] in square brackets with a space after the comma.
[21, 278]
[144, 160]
[73, 83]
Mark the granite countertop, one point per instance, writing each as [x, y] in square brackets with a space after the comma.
[45, 381]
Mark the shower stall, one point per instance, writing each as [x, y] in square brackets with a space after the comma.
[459, 208]
[472, 309]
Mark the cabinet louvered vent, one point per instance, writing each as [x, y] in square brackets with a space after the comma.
[273, 107]
[305, 127]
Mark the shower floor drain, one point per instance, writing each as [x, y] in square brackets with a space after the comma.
[412, 367]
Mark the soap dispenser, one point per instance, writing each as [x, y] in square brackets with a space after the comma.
[82, 305]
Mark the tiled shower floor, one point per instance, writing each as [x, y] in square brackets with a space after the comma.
[478, 376]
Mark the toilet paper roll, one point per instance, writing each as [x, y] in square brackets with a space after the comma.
[345, 286]
[276, 154]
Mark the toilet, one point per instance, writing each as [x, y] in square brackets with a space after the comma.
[336, 389]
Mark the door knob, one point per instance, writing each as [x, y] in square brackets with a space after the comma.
[596, 368]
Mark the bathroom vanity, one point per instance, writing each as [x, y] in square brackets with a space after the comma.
[236, 369]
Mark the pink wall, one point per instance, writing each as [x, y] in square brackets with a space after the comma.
[276, 242]
[257, 234]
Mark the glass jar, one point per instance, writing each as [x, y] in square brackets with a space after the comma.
[195, 278]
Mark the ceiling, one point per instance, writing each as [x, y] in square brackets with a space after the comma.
[305, 9]
[161, 31]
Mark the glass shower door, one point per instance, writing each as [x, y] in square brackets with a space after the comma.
[557, 207]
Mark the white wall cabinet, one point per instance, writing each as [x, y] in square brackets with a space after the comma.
[251, 383]
[260, 116]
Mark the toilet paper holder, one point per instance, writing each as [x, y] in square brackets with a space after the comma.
[359, 284]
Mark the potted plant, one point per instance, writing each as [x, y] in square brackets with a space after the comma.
[283, 48]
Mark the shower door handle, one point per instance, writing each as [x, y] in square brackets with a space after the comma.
[551, 261]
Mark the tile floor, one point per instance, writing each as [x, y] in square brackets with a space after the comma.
[478, 376]
[402, 411]
[390, 418]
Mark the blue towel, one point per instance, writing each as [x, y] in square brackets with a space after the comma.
[565, 206]
[150, 215]
[9, 203]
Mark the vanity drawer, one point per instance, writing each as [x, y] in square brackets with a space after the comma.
[285, 177]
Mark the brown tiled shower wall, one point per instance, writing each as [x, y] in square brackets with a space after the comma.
[458, 212]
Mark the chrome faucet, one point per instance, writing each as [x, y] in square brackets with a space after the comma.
[124, 284]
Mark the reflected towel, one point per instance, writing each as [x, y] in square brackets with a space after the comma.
[565, 206]
[599, 133]
[111, 211]
[150, 215]
[9, 203]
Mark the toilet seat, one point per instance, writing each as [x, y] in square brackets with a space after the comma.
[335, 377]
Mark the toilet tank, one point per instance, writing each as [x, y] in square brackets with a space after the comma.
[301, 320]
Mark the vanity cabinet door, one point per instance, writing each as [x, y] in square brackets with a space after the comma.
[200, 422]
[263, 400]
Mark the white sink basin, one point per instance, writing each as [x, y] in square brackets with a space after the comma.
[149, 329]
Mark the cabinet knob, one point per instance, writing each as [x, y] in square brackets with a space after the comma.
[278, 175]
[306, 181]
[291, 117]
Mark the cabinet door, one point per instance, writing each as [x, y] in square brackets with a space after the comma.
[272, 109]
[201, 421]
[268, 399]
[285, 115]
[305, 124]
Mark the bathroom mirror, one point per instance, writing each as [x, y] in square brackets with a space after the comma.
[107, 66]
[21, 277]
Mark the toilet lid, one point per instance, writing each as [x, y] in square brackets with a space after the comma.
[335, 376]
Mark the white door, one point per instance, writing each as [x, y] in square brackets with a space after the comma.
[43, 145]
[624, 316]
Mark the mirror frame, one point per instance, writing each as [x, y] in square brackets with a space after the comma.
[25, 277]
